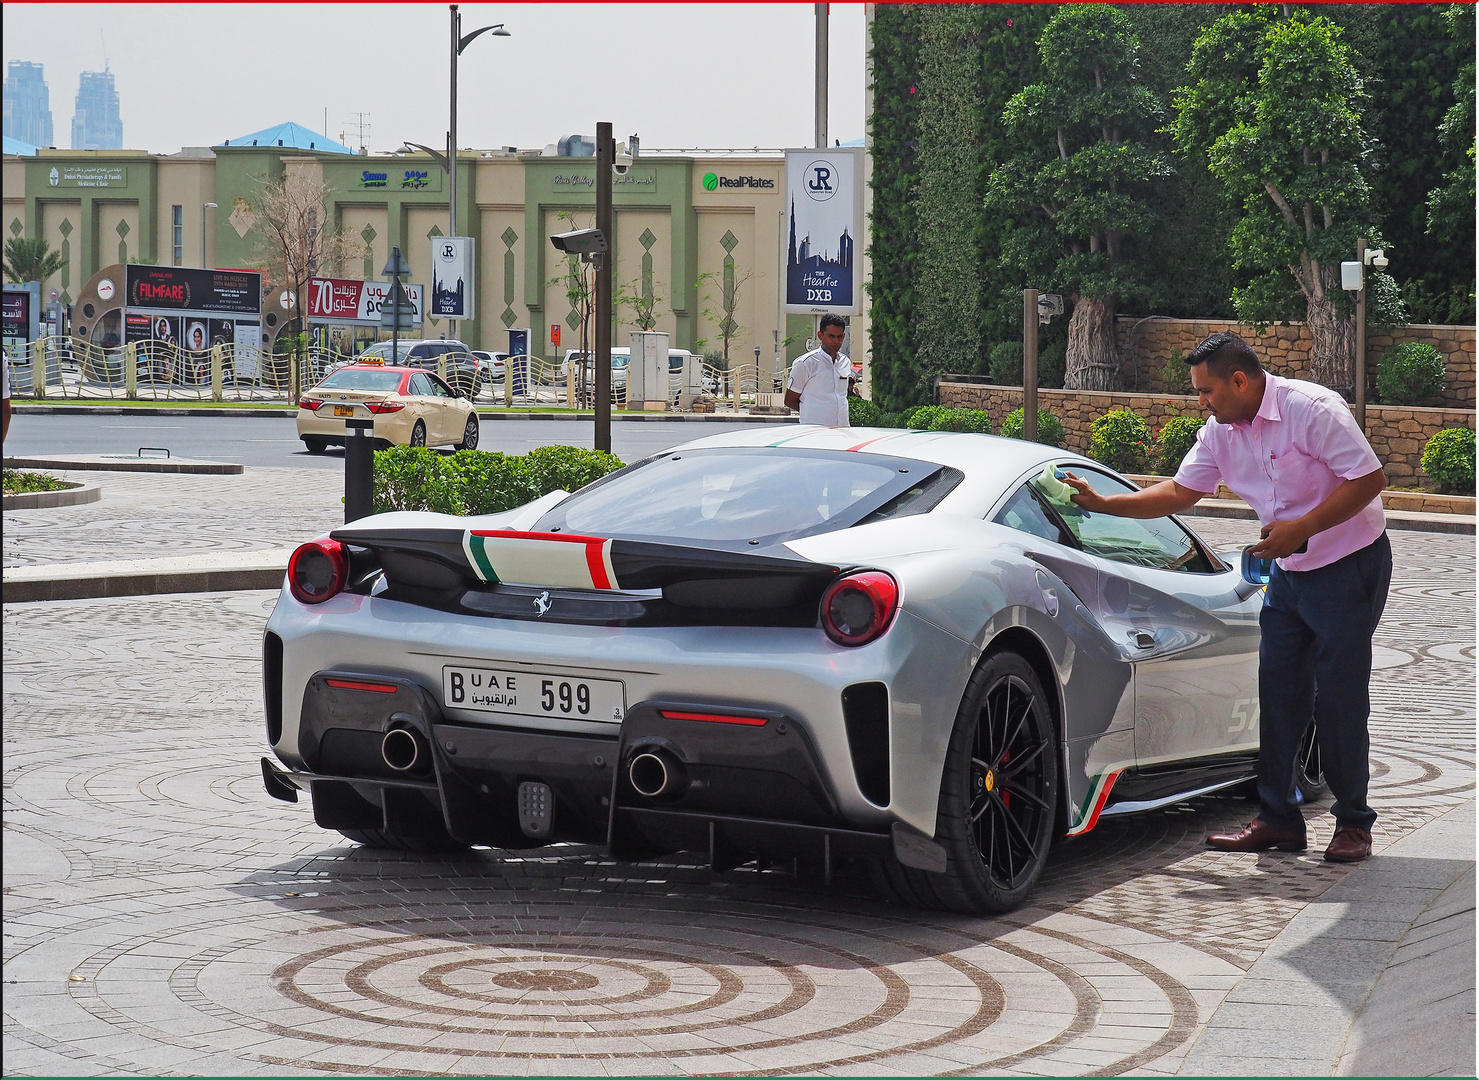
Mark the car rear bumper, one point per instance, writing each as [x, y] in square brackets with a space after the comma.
[392, 427]
[740, 789]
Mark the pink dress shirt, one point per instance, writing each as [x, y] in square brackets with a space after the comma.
[1302, 445]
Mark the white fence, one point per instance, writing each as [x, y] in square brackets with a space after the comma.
[154, 370]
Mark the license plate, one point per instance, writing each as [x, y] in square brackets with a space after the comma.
[343, 410]
[510, 692]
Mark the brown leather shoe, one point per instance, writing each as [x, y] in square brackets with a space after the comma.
[1349, 844]
[1259, 836]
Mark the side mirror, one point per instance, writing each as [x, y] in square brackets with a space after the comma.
[1255, 570]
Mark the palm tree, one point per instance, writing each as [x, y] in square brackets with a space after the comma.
[31, 260]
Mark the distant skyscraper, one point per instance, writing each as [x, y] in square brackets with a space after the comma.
[95, 124]
[27, 103]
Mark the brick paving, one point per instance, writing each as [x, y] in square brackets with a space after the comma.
[163, 916]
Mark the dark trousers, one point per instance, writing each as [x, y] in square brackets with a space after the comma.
[1315, 661]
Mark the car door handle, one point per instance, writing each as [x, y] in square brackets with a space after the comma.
[1142, 639]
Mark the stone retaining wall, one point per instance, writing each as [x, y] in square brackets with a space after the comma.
[1146, 347]
[1397, 434]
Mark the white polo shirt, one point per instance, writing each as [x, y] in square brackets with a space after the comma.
[822, 383]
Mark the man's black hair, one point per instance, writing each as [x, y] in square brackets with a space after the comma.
[1224, 353]
[832, 320]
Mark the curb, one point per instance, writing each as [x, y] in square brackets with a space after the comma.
[82, 462]
[1401, 520]
[46, 500]
[171, 410]
[189, 581]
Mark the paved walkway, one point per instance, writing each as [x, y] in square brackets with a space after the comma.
[162, 915]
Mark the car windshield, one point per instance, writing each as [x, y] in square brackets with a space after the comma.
[358, 378]
[735, 494]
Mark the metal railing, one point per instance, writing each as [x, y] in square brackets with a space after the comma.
[156, 370]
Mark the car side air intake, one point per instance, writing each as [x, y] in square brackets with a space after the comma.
[865, 714]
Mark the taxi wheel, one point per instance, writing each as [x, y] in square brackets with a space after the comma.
[470, 433]
[418, 434]
[316, 444]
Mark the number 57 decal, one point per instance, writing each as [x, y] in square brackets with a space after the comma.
[1244, 716]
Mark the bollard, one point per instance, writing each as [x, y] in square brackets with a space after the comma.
[359, 469]
[131, 370]
[216, 365]
[38, 369]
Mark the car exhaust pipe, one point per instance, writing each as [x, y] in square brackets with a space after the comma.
[404, 750]
[655, 774]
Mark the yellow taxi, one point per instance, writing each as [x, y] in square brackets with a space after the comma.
[410, 407]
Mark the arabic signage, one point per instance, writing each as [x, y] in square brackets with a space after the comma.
[22, 312]
[400, 179]
[646, 178]
[824, 203]
[88, 176]
[356, 303]
[238, 292]
[451, 276]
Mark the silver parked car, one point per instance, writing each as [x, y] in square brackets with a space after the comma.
[902, 647]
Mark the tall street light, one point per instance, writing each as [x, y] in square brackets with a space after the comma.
[460, 41]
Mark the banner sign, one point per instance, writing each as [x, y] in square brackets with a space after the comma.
[824, 201]
[356, 303]
[22, 312]
[451, 276]
[237, 292]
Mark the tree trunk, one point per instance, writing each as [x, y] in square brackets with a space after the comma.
[1332, 344]
[1093, 357]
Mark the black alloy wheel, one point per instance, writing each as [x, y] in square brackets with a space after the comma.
[418, 434]
[1309, 773]
[470, 433]
[998, 796]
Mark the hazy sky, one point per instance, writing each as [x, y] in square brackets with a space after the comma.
[680, 75]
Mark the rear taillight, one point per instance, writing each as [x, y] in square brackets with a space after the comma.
[857, 609]
[378, 407]
[317, 571]
[309, 404]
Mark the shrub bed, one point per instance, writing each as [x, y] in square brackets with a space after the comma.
[19, 482]
[472, 482]
[1174, 441]
[1410, 374]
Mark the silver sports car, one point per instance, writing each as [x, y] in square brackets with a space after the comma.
[903, 647]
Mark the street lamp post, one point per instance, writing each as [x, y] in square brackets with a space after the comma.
[204, 207]
[459, 42]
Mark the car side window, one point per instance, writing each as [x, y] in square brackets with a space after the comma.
[439, 388]
[1025, 513]
[421, 386]
[1156, 542]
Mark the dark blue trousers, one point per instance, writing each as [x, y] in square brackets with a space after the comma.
[1315, 660]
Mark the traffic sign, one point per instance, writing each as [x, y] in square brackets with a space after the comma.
[397, 313]
[554, 334]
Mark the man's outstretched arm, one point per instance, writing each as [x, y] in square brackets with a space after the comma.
[1158, 500]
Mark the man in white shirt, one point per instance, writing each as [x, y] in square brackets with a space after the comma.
[820, 380]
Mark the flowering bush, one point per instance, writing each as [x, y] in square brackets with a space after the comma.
[1121, 440]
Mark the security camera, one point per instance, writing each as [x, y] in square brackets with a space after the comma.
[1377, 257]
[583, 242]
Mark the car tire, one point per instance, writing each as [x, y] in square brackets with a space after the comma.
[316, 444]
[418, 434]
[471, 432]
[995, 850]
[383, 838]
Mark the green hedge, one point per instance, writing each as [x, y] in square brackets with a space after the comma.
[472, 482]
[1049, 427]
[1174, 441]
[1409, 374]
[1449, 459]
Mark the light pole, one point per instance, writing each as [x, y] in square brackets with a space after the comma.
[204, 207]
[1353, 279]
[459, 42]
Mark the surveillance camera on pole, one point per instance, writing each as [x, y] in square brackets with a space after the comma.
[1048, 305]
[589, 244]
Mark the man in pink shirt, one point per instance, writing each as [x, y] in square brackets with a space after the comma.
[1293, 452]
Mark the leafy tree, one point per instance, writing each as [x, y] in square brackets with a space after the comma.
[1082, 185]
[719, 307]
[31, 260]
[1451, 204]
[1275, 110]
